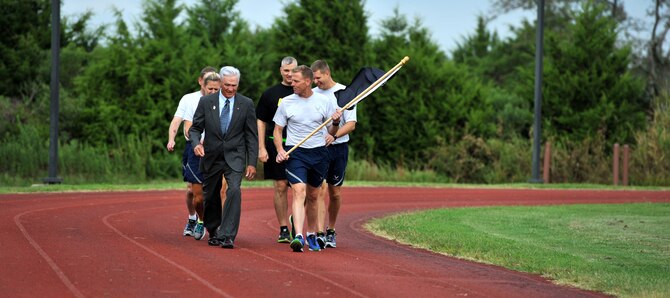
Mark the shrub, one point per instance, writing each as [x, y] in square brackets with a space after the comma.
[650, 156]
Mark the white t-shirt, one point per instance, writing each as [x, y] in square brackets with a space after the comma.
[186, 109]
[347, 115]
[300, 116]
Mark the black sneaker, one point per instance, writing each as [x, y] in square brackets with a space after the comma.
[321, 240]
[290, 220]
[297, 244]
[227, 243]
[330, 238]
[284, 236]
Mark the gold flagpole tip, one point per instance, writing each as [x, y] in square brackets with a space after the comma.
[404, 60]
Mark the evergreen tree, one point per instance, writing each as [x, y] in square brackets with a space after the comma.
[492, 59]
[25, 39]
[430, 101]
[221, 29]
[477, 46]
[332, 30]
[496, 62]
[77, 44]
[25, 61]
[588, 87]
[132, 86]
[213, 20]
[78, 33]
[103, 83]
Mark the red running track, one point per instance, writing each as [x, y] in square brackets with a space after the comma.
[130, 244]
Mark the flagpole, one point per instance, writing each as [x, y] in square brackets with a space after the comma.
[353, 101]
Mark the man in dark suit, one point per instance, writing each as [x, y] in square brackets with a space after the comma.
[230, 143]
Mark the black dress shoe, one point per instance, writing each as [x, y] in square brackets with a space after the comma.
[227, 243]
[214, 242]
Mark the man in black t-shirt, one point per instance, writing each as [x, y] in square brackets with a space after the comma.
[267, 153]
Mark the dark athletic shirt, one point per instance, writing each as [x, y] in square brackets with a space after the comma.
[267, 106]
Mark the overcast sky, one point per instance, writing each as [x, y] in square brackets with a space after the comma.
[449, 21]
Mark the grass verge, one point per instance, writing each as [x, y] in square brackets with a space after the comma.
[156, 185]
[619, 249]
[166, 185]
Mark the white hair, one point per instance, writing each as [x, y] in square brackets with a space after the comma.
[229, 71]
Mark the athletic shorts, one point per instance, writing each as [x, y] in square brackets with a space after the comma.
[307, 166]
[272, 169]
[191, 165]
[338, 155]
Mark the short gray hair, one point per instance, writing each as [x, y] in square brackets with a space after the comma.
[288, 60]
[229, 71]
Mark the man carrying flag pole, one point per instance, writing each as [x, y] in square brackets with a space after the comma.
[307, 165]
[366, 82]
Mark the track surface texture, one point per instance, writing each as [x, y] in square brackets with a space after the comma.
[122, 244]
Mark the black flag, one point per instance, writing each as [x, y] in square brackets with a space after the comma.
[363, 79]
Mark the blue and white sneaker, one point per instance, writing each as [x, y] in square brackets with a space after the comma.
[199, 231]
[298, 243]
[190, 227]
[311, 241]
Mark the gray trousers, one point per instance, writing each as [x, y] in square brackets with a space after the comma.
[222, 222]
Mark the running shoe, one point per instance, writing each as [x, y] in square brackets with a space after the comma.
[321, 240]
[298, 243]
[330, 238]
[311, 242]
[190, 226]
[284, 236]
[290, 220]
[199, 231]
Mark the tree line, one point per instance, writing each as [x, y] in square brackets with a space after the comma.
[454, 114]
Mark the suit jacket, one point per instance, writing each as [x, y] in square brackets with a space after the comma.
[239, 147]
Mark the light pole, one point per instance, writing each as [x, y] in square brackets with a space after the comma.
[55, 65]
[537, 130]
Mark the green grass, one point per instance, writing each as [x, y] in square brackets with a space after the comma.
[177, 184]
[619, 249]
[156, 185]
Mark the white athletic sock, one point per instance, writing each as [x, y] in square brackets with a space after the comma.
[310, 234]
[193, 216]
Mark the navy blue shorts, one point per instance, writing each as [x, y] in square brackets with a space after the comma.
[338, 155]
[191, 165]
[307, 166]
